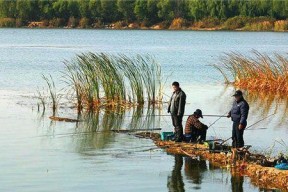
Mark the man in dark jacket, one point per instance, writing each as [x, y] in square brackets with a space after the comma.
[176, 108]
[239, 115]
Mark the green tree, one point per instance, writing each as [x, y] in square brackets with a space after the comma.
[95, 9]
[8, 9]
[61, 10]
[109, 11]
[198, 9]
[165, 11]
[27, 10]
[126, 9]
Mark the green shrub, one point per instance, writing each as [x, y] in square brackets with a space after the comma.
[7, 22]
[120, 25]
[56, 22]
[208, 22]
[84, 23]
[72, 22]
[236, 22]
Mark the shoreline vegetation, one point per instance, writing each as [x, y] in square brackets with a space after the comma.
[101, 80]
[260, 73]
[237, 23]
[252, 15]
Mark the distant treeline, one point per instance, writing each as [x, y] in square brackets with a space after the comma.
[144, 12]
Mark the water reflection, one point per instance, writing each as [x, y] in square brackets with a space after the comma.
[194, 170]
[96, 129]
[175, 181]
[237, 181]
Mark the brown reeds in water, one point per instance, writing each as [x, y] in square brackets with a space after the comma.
[259, 72]
[99, 80]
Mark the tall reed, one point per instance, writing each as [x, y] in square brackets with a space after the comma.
[259, 72]
[112, 80]
[52, 92]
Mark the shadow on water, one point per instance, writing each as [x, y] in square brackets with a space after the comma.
[194, 170]
[98, 128]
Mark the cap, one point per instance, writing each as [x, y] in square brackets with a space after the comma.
[198, 112]
[238, 93]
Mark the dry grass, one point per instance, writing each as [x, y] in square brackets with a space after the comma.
[260, 72]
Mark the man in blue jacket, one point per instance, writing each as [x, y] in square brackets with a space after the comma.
[239, 115]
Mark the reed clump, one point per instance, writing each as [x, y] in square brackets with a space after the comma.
[259, 72]
[104, 80]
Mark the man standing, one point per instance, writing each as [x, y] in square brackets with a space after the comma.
[176, 108]
[239, 115]
[194, 128]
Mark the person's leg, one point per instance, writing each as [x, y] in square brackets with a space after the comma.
[178, 129]
[234, 135]
[193, 135]
[240, 138]
[203, 135]
[173, 121]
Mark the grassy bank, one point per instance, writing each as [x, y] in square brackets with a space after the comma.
[209, 23]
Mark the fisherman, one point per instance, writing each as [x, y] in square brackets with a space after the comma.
[239, 115]
[176, 108]
[194, 128]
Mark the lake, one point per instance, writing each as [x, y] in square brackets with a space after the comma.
[40, 155]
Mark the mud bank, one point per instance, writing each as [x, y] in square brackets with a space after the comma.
[245, 164]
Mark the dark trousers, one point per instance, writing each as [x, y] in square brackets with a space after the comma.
[177, 123]
[196, 133]
[237, 136]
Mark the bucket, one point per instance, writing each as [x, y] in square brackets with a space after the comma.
[165, 136]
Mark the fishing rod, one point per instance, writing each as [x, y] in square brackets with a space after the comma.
[250, 126]
[170, 116]
[220, 116]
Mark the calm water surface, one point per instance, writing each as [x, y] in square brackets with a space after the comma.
[39, 155]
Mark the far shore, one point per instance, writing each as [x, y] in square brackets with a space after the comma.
[154, 28]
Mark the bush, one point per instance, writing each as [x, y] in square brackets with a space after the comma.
[120, 25]
[19, 23]
[208, 22]
[57, 22]
[260, 26]
[236, 22]
[7, 22]
[98, 24]
[72, 22]
[84, 23]
[178, 23]
[281, 25]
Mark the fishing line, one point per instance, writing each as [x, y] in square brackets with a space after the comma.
[250, 126]
[215, 122]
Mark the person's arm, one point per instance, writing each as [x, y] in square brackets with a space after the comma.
[244, 109]
[182, 102]
[188, 123]
[197, 124]
[169, 104]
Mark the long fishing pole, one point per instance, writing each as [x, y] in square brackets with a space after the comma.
[250, 126]
[215, 122]
[170, 116]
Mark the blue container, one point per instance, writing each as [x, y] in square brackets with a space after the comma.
[165, 136]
